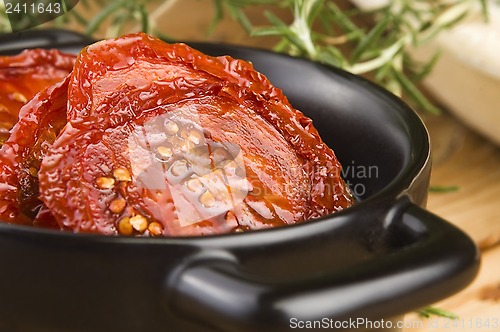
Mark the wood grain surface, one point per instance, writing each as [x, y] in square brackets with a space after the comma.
[464, 159]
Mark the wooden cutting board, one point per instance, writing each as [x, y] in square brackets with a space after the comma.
[477, 307]
[464, 159]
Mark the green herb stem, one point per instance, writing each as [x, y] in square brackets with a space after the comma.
[433, 311]
[376, 43]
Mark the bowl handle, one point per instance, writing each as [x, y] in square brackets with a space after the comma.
[219, 293]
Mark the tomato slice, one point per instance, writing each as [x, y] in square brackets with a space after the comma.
[41, 120]
[164, 140]
[24, 75]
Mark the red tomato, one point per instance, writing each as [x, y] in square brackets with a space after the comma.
[41, 120]
[24, 75]
[164, 140]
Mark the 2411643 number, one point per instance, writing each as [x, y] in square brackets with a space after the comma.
[472, 323]
[33, 8]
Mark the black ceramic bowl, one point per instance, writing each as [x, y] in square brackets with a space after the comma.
[380, 258]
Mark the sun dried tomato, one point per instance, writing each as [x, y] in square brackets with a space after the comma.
[164, 140]
[41, 120]
[24, 75]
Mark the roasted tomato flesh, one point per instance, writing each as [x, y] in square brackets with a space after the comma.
[26, 142]
[162, 140]
[24, 75]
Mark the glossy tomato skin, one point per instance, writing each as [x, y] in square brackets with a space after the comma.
[24, 75]
[41, 120]
[164, 140]
[21, 78]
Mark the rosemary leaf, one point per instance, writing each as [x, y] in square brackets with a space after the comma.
[443, 189]
[144, 18]
[414, 93]
[485, 10]
[85, 4]
[331, 56]
[275, 20]
[78, 18]
[427, 67]
[117, 24]
[284, 31]
[218, 16]
[343, 20]
[95, 23]
[386, 56]
[314, 8]
[240, 17]
[370, 39]
[270, 31]
[281, 46]
[433, 311]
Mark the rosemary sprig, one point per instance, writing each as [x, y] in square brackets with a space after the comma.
[443, 189]
[433, 311]
[379, 46]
